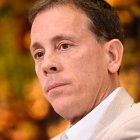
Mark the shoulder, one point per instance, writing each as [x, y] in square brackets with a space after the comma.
[125, 126]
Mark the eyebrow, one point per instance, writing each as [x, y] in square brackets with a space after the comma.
[55, 39]
[35, 46]
[61, 37]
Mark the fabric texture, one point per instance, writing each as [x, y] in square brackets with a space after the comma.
[125, 127]
[64, 137]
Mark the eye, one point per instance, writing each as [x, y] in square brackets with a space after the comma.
[38, 55]
[64, 46]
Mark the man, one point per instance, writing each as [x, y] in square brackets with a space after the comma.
[77, 49]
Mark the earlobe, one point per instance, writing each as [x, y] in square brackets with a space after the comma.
[114, 49]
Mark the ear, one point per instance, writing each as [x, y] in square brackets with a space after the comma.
[114, 51]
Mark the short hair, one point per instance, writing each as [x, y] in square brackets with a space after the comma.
[104, 23]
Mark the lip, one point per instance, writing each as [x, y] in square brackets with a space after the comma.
[55, 85]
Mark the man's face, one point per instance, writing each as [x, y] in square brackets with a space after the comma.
[69, 62]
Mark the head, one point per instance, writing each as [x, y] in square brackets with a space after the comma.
[76, 45]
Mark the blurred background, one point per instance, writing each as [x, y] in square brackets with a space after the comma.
[24, 113]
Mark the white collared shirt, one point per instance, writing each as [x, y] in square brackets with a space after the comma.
[85, 128]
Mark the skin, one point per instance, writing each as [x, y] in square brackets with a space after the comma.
[75, 70]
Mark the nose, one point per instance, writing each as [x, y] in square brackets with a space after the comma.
[51, 64]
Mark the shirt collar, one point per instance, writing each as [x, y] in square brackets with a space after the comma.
[90, 121]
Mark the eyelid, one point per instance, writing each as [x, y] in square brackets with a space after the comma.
[36, 51]
[64, 42]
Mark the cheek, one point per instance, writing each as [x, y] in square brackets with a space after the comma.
[82, 69]
[86, 71]
[85, 65]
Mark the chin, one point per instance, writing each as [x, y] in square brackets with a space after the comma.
[69, 113]
[63, 109]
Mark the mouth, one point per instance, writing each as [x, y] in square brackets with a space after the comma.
[55, 86]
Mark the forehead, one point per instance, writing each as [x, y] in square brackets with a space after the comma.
[68, 8]
[61, 15]
[60, 21]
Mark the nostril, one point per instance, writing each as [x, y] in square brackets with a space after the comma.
[53, 68]
[50, 70]
[45, 72]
